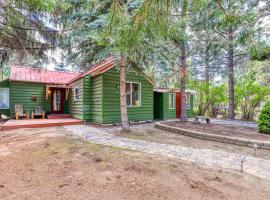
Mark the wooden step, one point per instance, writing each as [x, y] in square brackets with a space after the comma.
[39, 123]
[59, 116]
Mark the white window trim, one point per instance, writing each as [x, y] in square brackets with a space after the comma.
[173, 94]
[8, 103]
[140, 94]
[74, 94]
[188, 96]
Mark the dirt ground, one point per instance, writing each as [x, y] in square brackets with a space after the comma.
[51, 164]
[227, 130]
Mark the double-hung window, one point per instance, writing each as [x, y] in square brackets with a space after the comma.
[171, 101]
[4, 98]
[133, 94]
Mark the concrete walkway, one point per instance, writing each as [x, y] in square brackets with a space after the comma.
[203, 157]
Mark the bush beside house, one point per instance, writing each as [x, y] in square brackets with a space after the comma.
[264, 119]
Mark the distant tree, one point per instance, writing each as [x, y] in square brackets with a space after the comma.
[24, 29]
[234, 23]
[179, 35]
[249, 95]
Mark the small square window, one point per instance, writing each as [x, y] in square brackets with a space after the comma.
[76, 93]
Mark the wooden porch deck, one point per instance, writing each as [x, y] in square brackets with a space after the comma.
[39, 123]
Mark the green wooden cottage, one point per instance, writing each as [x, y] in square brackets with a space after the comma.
[167, 104]
[91, 96]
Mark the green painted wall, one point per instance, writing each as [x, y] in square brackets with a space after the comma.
[5, 84]
[96, 101]
[22, 92]
[86, 98]
[168, 113]
[100, 99]
[111, 98]
[161, 106]
[75, 107]
[190, 110]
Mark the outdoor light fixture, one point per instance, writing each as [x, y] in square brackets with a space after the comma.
[34, 98]
[242, 158]
[255, 146]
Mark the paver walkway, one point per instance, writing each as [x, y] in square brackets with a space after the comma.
[234, 123]
[203, 157]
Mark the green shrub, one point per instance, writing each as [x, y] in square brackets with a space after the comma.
[264, 119]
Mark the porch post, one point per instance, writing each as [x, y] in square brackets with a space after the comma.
[47, 91]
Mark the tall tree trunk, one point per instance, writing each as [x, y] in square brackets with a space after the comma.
[123, 99]
[183, 58]
[207, 79]
[182, 73]
[231, 75]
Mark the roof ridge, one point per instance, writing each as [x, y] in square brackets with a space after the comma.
[28, 67]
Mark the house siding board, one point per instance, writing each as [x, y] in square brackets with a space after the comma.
[75, 107]
[47, 103]
[168, 113]
[86, 98]
[190, 110]
[66, 111]
[21, 93]
[96, 102]
[111, 103]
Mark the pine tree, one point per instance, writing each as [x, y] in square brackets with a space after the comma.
[24, 28]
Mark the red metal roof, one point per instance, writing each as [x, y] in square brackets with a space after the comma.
[97, 69]
[28, 74]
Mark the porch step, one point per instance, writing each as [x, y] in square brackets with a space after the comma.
[59, 116]
[39, 123]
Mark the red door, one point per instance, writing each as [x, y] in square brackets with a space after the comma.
[178, 105]
[57, 103]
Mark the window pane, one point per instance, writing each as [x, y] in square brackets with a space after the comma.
[135, 94]
[4, 98]
[127, 87]
[77, 93]
[171, 101]
[128, 99]
[128, 94]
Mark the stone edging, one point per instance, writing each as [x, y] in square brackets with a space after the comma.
[215, 137]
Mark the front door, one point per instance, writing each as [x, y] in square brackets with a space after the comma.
[178, 105]
[57, 104]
